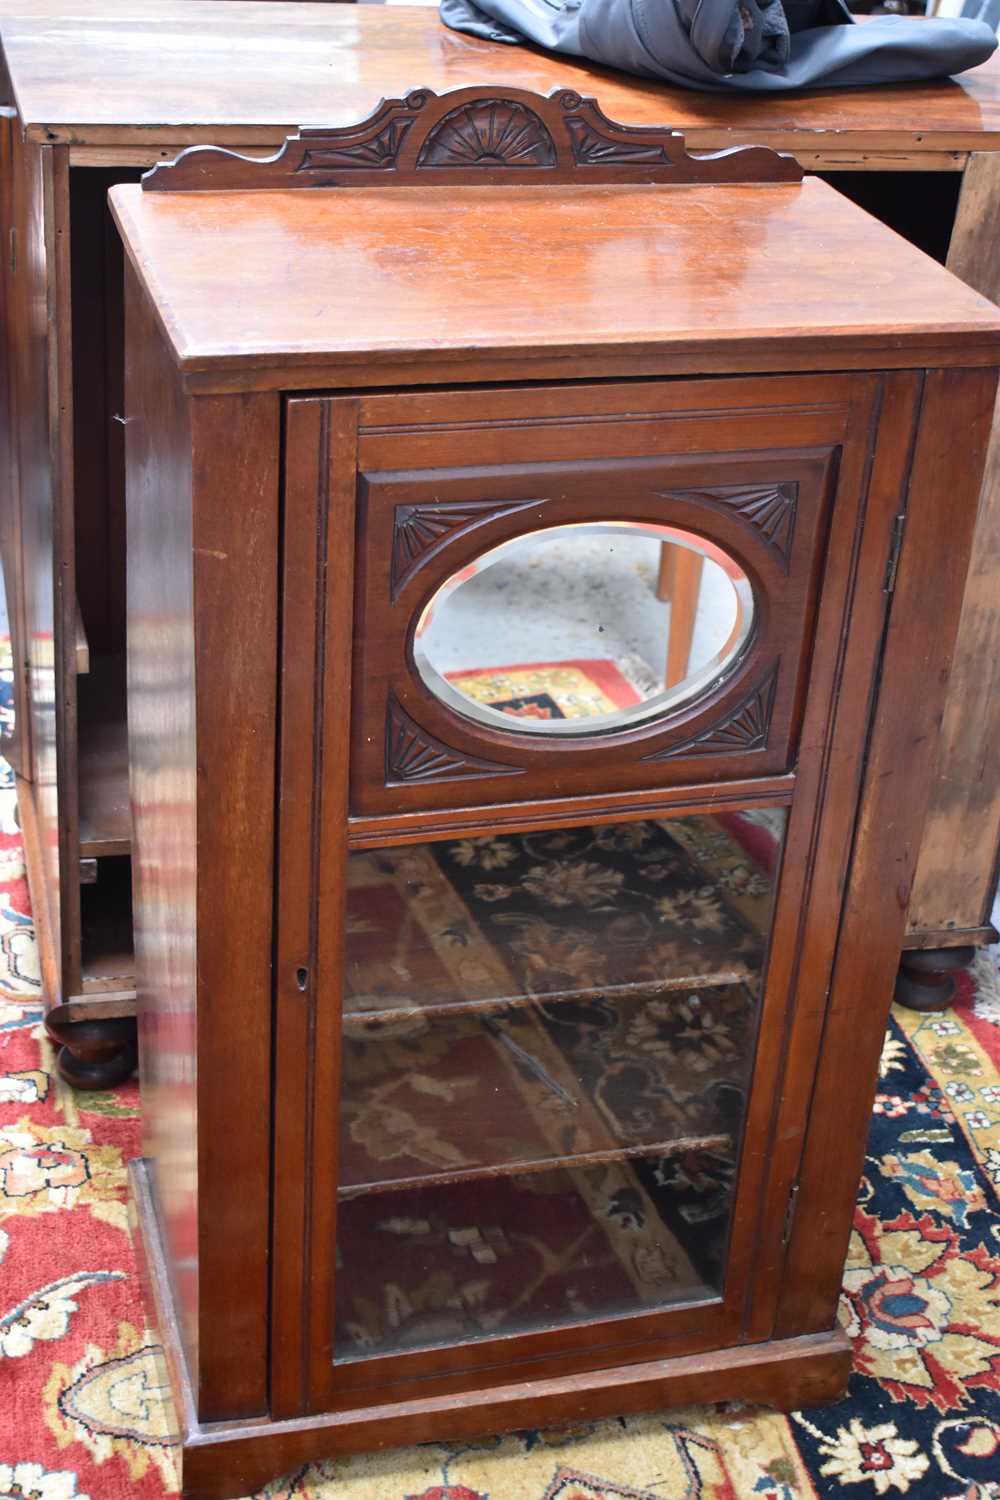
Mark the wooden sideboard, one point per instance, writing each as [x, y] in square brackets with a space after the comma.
[104, 93]
[485, 936]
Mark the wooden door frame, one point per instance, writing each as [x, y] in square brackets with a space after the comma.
[321, 441]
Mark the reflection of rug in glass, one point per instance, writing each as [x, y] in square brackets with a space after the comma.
[551, 690]
[583, 912]
[467, 1260]
[512, 1001]
[466, 1093]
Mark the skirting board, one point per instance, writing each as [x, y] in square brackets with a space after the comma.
[225, 1459]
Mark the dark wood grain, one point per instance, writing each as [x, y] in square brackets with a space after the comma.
[17, 746]
[316, 668]
[898, 774]
[477, 135]
[235, 581]
[163, 756]
[847, 653]
[202, 607]
[412, 752]
[35, 365]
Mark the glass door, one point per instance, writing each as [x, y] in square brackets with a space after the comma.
[548, 1039]
[560, 670]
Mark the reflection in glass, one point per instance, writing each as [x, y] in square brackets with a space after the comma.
[583, 628]
[548, 1041]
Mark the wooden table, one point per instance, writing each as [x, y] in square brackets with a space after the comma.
[102, 91]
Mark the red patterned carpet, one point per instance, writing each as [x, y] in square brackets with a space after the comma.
[82, 1399]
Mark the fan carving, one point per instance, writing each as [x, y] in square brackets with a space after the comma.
[592, 148]
[379, 152]
[483, 135]
[746, 727]
[419, 530]
[768, 508]
[493, 133]
[414, 755]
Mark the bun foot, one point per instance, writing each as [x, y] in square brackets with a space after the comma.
[926, 980]
[94, 1054]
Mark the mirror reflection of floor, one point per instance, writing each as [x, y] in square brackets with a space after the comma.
[583, 599]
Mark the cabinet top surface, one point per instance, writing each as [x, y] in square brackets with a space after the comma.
[141, 71]
[337, 281]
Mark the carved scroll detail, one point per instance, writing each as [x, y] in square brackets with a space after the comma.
[745, 727]
[769, 508]
[474, 135]
[412, 754]
[419, 530]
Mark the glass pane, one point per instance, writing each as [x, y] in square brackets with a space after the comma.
[527, 1252]
[548, 1041]
[584, 628]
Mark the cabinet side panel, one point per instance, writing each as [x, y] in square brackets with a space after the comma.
[948, 462]
[16, 749]
[235, 447]
[34, 369]
[163, 785]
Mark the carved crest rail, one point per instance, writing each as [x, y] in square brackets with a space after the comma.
[474, 136]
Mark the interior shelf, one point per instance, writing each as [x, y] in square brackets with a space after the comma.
[710, 978]
[451, 1098]
[720, 1142]
[461, 1262]
[471, 925]
[105, 826]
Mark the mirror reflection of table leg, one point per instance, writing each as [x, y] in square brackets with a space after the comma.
[679, 582]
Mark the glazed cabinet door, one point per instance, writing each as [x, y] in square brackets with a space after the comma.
[575, 689]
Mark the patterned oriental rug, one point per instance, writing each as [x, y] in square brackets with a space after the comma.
[558, 689]
[83, 1408]
[629, 1052]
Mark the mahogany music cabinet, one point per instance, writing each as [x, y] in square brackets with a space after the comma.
[545, 551]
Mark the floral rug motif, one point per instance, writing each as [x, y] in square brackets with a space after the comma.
[566, 1021]
[83, 1407]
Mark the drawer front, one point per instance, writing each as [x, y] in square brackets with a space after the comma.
[567, 591]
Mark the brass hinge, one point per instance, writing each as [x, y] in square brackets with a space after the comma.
[793, 1198]
[895, 547]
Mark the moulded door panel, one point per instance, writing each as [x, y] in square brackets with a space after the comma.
[490, 1048]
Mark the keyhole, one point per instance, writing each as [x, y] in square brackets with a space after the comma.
[302, 978]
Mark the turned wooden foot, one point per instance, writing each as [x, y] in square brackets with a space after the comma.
[926, 977]
[94, 1054]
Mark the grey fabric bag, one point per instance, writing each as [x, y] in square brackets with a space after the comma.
[751, 45]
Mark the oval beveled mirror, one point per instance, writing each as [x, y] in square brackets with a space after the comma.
[584, 628]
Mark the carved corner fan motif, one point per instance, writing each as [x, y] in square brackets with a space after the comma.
[745, 727]
[769, 508]
[419, 530]
[474, 135]
[412, 754]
